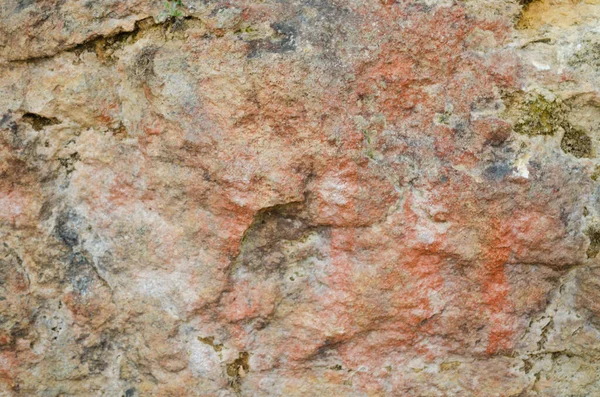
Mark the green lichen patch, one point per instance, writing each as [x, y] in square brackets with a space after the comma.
[596, 174]
[532, 114]
[593, 233]
[576, 142]
[589, 54]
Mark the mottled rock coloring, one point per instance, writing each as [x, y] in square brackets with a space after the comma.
[299, 198]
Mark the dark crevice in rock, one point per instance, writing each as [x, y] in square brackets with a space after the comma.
[543, 40]
[105, 45]
[39, 122]
[272, 226]
[97, 43]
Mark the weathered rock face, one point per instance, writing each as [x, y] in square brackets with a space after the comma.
[299, 198]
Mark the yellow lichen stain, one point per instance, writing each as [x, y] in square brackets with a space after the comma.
[237, 370]
[561, 13]
[210, 341]
[449, 365]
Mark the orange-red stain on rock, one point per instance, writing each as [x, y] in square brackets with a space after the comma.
[89, 312]
[347, 194]
[505, 232]
[495, 287]
[367, 266]
[407, 259]
[109, 113]
[8, 366]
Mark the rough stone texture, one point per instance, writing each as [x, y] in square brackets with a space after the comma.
[300, 198]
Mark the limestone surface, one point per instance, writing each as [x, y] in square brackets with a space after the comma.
[299, 198]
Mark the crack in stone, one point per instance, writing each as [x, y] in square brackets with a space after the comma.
[118, 34]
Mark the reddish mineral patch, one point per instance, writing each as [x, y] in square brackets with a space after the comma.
[318, 198]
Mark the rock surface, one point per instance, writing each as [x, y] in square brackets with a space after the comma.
[299, 198]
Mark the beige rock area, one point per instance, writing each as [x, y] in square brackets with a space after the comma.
[299, 198]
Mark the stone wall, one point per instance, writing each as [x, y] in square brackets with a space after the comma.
[299, 198]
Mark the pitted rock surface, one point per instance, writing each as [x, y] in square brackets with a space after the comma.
[299, 198]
